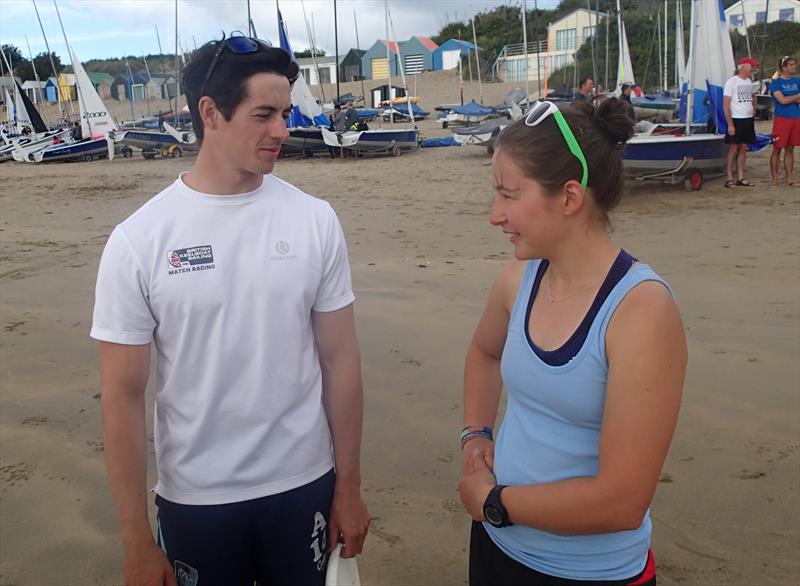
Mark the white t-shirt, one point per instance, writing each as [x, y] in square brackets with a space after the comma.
[224, 286]
[740, 91]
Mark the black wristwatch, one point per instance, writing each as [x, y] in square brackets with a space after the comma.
[493, 510]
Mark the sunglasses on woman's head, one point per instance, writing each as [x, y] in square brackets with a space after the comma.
[239, 45]
[540, 112]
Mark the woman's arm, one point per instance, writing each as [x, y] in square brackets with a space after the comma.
[646, 352]
[482, 382]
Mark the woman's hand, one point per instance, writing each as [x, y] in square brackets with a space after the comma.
[480, 447]
[477, 482]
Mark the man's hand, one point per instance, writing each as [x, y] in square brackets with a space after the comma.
[731, 128]
[349, 521]
[478, 481]
[146, 565]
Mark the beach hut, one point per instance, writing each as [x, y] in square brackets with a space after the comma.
[374, 63]
[166, 84]
[31, 89]
[102, 83]
[417, 54]
[317, 70]
[51, 90]
[448, 54]
[66, 87]
[381, 93]
[350, 65]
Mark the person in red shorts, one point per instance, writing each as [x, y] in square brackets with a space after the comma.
[785, 92]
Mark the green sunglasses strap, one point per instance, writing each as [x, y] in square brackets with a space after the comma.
[572, 143]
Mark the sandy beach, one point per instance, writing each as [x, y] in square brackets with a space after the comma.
[423, 255]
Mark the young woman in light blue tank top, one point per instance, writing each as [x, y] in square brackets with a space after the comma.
[590, 347]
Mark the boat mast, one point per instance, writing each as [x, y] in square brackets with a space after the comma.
[666, 45]
[525, 44]
[538, 44]
[164, 70]
[388, 60]
[69, 98]
[690, 91]
[177, 65]
[402, 70]
[38, 82]
[130, 90]
[358, 48]
[249, 21]
[336, 48]
[52, 63]
[477, 59]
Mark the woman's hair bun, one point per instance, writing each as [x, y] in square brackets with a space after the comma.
[611, 117]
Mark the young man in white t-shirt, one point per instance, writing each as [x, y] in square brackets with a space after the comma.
[739, 104]
[241, 284]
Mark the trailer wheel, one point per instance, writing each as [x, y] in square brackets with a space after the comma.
[165, 152]
[308, 153]
[396, 151]
[87, 158]
[693, 180]
[127, 152]
[444, 124]
[490, 150]
[148, 154]
[177, 152]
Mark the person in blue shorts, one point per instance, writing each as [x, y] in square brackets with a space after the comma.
[785, 92]
[239, 283]
[590, 346]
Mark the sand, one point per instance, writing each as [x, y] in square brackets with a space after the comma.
[423, 256]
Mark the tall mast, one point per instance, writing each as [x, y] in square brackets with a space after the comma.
[525, 44]
[312, 41]
[150, 79]
[336, 48]
[358, 48]
[388, 60]
[692, 51]
[69, 50]
[164, 71]
[249, 21]
[38, 82]
[538, 46]
[477, 59]
[177, 65]
[666, 46]
[52, 63]
[402, 70]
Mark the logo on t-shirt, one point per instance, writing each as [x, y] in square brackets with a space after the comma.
[187, 260]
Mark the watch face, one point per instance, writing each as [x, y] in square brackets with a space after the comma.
[493, 516]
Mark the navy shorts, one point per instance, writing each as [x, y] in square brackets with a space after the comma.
[275, 540]
[490, 566]
[745, 132]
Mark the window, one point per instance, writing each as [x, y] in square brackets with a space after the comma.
[786, 15]
[565, 39]
[324, 75]
[542, 63]
[761, 17]
[306, 75]
[737, 20]
[588, 31]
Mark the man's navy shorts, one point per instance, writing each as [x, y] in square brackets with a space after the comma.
[275, 540]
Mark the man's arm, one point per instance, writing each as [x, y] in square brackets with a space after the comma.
[786, 100]
[342, 397]
[726, 107]
[123, 378]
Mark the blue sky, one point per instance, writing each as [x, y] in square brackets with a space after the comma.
[114, 28]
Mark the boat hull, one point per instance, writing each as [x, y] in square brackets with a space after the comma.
[378, 140]
[303, 140]
[86, 150]
[653, 154]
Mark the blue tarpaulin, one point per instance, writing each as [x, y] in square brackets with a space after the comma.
[472, 109]
[438, 142]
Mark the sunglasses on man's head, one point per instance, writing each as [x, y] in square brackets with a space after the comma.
[240, 45]
[542, 111]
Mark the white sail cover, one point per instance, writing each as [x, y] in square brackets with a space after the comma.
[96, 122]
[23, 120]
[624, 67]
[711, 61]
[304, 99]
[10, 107]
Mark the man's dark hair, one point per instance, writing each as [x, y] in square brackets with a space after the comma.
[583, 81]
[227, 85]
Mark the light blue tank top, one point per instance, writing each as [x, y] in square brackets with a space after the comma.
[551, 432]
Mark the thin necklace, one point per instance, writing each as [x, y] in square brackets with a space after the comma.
[571, 295]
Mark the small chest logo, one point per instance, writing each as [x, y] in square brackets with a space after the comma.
[192, 259]
[282, 247]
[283, 250]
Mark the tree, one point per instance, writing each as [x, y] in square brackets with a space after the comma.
[305, 53]
[43, 67]
[14, 56]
